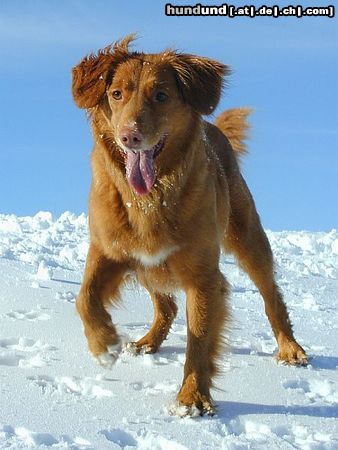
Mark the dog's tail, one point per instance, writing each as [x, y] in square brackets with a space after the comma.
[234, 124]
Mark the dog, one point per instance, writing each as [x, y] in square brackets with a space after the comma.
[167, 194]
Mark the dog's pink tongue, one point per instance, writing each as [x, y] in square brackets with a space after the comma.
[140, 170]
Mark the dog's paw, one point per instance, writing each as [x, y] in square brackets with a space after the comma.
[131, 349]
[108, 358]
[135, 348]
[293, 354]
[181, 410]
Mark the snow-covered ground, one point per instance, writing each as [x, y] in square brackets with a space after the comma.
[53, 395]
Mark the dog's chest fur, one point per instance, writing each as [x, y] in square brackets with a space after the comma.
[154, 259]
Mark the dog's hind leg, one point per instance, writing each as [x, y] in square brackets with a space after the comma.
[247, 240]
[165, 310]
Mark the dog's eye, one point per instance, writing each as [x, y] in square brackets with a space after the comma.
[117, 95]
[161, 97]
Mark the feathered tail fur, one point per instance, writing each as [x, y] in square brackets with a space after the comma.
[234, 124]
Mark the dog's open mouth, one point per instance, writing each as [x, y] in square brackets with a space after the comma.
[140, 169]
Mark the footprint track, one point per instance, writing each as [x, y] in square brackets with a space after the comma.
[31, 316]
[155, 388]
[21, 437]
[77, 387]
[24, 352]
[316, 390]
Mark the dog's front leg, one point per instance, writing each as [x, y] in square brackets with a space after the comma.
[100, 286]
[206, 316]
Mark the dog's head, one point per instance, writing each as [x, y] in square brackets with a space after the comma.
[146, 100]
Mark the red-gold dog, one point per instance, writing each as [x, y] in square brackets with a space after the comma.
[167, 193]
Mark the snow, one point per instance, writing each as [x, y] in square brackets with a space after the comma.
[53, 395]
[109, 358]
[44, 272]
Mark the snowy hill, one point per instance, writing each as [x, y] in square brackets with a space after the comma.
[52, 395]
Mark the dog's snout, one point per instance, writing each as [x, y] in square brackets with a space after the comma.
[131, 137]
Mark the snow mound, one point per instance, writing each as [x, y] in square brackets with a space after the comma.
[61, 242]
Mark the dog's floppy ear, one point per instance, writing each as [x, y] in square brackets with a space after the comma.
[95, 72]
[200, 81]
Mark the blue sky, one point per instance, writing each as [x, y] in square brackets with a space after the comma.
[286, 69]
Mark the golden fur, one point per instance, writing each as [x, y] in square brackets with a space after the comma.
[169, 230]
